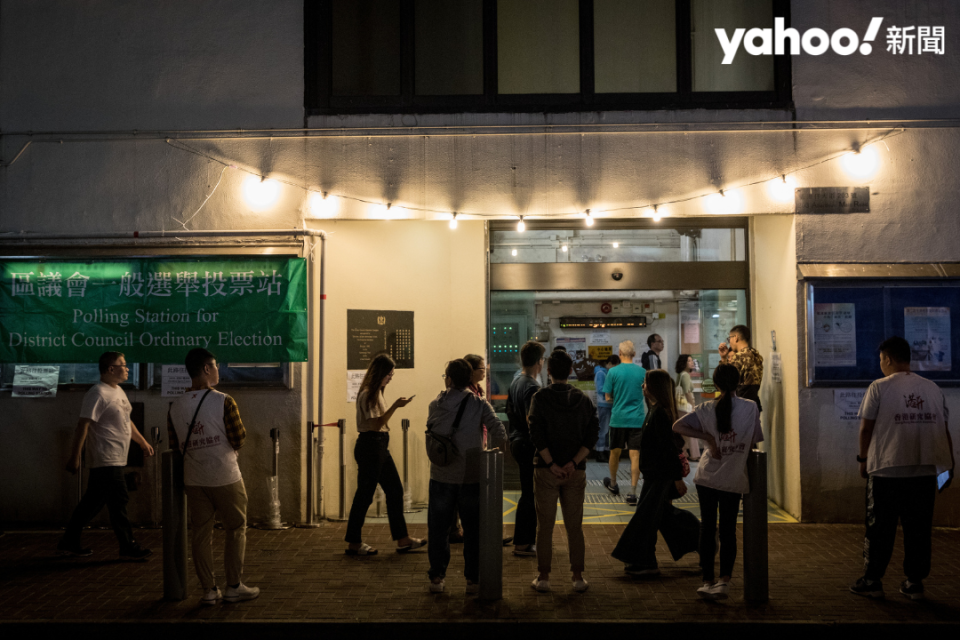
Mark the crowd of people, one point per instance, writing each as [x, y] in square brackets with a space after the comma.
[905, 456]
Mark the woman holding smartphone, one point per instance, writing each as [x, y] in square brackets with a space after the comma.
[374, 463]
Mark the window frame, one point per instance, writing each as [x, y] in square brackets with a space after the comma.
[318, 74]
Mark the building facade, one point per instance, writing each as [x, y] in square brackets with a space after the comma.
[379, 120]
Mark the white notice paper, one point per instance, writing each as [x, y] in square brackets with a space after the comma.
[35, 381]
[846, 404]
[601, 337]
[835, 334]
[776, 367]
[927, 329]
[174, 380]
[354, 380]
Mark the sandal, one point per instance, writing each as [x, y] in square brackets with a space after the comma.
[364, 550]
[416, 543]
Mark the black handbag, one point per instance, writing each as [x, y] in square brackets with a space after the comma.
[441, 450]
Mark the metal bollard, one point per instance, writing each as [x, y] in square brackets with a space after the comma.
[274, 523]
[756, 577]
[311, 521]
[407, 494]
[157, 477]
[491, 525]
[342, 425]
[174, 528]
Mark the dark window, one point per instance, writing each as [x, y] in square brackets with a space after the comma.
[399, 56]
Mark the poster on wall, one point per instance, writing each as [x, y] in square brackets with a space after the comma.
[577, 350]
[927, 329]
[370, 333]
[354, 380]
[846, 404]
[835, 334]
[600, 336]
[174, 380]
[599, 353]
[35, 381]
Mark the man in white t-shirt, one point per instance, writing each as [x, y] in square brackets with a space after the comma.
[904, 444]
[106, 429]
[209, 423]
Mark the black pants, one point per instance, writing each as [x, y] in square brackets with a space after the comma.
[447, 499]
[106, 486]
[525, 529]
[679, 528]
[909, 500]
[728, 504]
[375, 466]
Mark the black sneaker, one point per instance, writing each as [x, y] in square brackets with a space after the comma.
[76, 551]
[872, 590]
[135, 552]
[612, 488]
[914, 591]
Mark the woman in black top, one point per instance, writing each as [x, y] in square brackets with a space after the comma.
[662, 470]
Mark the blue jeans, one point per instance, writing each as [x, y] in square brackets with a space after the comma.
[445, 498]
[604, 414]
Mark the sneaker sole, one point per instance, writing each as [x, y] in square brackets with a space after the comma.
[868, 594]
[210, 603]
[913, 596]
[241, 599]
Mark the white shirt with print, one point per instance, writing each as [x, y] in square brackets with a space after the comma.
[108, 440]
[729, 473]
[910, 432]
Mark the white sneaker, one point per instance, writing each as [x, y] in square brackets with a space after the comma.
[543, 586]
[714, 592]
[473, 588]
[243, 592]
[211, 596]
[437, 587]
[580, 585]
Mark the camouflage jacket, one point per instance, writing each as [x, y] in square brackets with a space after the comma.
[750, 364]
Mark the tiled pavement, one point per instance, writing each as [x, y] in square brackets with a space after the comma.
[305, 577]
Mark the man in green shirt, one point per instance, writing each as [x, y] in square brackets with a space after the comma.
[624, 389]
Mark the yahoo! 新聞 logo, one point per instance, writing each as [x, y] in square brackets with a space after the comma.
[815, 42]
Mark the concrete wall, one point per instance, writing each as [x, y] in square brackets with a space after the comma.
[424, 267]
[773, 272]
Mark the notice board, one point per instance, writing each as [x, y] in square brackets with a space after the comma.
[370, 333]
[862, 315]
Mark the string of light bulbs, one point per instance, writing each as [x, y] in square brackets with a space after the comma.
[860, 162]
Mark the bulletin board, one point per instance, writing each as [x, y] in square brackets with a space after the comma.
[847, 321]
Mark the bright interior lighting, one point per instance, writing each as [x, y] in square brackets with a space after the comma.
[323, 206]
[616, 245]
[716, 315]
[453, 222]
[564, 248]
[260, 194]
[521, 227]
[514, 252]
[725, 203]
[862, 164]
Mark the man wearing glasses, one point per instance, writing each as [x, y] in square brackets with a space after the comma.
[747, 360]
[106, 429]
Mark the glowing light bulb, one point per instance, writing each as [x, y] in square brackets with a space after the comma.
[260, 193]
[616, 245]
[589, 219]
[521, 227]
[453, 221]
[724, 203]
[564, 248]
[781, 189]
[659, 213]
[380, 210]
[861, 164]
[513, 253]
[324, 205]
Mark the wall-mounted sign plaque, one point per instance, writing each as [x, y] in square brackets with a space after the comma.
[833, 200]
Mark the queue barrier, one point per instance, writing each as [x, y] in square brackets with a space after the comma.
[313, 458]
[756, 576]
[407, 493]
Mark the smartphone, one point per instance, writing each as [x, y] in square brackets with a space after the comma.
[944, 479]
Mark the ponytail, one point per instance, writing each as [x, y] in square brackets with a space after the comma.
[726, 377]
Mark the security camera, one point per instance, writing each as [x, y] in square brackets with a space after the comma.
[617, 275]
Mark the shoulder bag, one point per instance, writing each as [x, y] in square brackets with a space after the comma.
[441, 450]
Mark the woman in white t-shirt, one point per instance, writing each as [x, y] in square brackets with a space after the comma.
[375, 465]
[730, 427]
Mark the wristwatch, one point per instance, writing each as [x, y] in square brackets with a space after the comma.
[859, 459]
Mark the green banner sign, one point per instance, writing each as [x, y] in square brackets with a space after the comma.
[247, 309]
